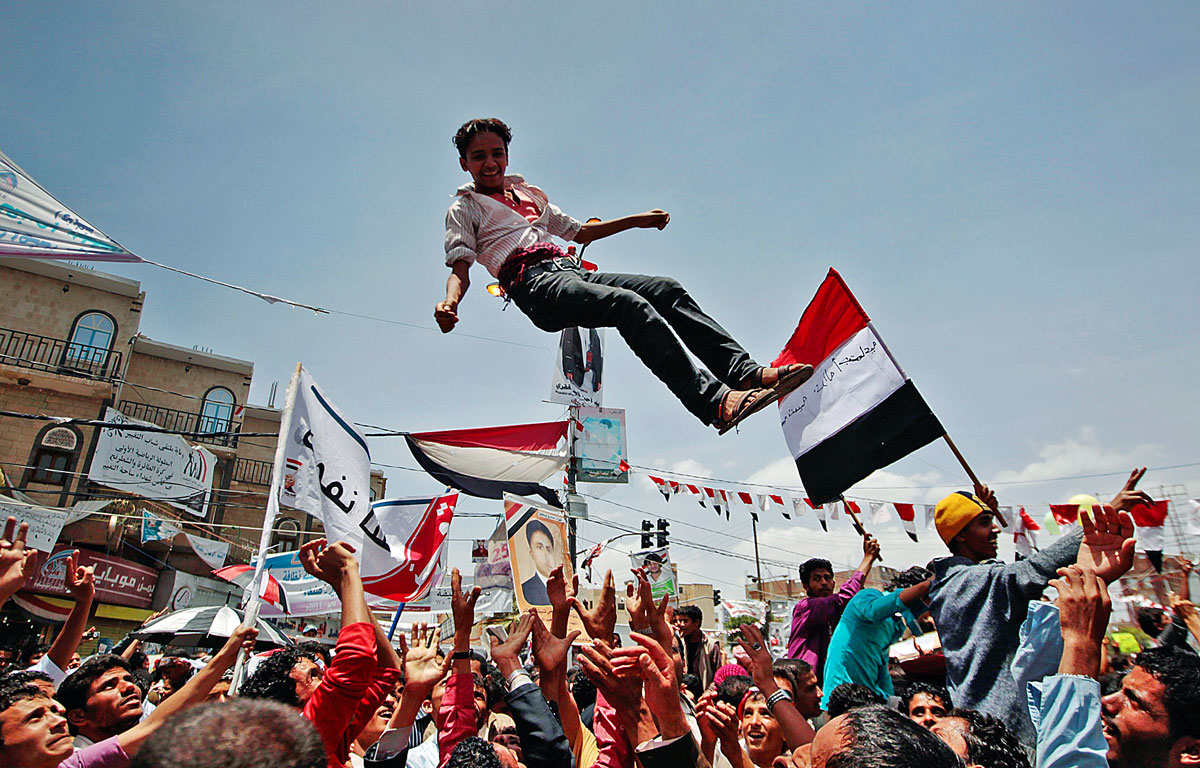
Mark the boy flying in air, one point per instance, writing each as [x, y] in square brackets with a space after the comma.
[506, 225]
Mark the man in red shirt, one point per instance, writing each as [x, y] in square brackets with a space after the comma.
[363, 671]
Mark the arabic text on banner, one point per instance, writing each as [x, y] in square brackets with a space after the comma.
[328, 470]
[154, 465]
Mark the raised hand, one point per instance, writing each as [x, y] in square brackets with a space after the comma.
[550, 652]
[602, 619]
[1128, 498]
[422, 667]
[328, 562]
[623, 692]
[559, 594]
[14, 558]
[987, 496]
[655, 666]
[760, 657]
[80, 579]
[1107, 546]
[507, 655]
[1083, 610]
[644, 613]
[242, 639]
[463, 609]
[870, 546]
[1185, 609]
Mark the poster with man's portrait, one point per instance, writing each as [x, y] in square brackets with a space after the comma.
[660, 571]
[537, 544]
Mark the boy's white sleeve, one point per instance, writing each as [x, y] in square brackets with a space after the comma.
[460, 232]
[560, 224]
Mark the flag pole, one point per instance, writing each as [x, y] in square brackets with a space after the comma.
[250, 598]
[395, 620]
[970, 472]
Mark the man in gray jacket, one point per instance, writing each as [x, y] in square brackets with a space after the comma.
[979, 603]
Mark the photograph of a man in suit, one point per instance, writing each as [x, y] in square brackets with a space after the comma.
[546, 555]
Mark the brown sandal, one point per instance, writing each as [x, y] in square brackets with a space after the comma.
[750, 402]
[787, 377]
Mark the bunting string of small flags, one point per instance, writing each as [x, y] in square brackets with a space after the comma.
[912, 517]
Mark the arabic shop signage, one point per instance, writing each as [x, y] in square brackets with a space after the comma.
[118, 581]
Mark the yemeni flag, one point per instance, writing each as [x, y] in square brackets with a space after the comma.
[1149, 519]
[859, 412]
[492, 461]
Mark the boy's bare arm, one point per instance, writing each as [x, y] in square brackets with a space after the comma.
[595, 230]
[446, 312]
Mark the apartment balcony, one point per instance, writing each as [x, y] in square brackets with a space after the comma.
[186, 421]
[67, 358]
[252, 472]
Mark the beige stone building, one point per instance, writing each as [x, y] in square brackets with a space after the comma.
[70, 346]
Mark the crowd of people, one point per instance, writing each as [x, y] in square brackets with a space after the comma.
[1028, 678]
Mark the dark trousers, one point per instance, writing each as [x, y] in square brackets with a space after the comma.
[648, 312]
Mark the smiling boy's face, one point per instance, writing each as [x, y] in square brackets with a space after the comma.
[486, 160]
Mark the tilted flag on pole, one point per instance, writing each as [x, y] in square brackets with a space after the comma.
[492, 461]
[859, 412]
[36, 226]
[329, 468]
[415, 532]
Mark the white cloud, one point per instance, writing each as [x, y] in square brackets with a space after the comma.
[1084, 454]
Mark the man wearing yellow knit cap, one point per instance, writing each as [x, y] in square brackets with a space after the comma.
[980, 603]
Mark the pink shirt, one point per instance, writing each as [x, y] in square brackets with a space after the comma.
[813, 620]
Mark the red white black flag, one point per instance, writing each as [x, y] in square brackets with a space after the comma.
[491, 461]
[859, 412]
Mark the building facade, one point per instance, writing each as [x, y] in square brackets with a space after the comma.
[71, 346]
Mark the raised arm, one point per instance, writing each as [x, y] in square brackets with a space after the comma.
[594, 230]
[14, 559]
[796, 730]
[194, 692]
[81, 584]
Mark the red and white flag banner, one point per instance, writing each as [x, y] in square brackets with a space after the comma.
[1149, 519]
[908, 518]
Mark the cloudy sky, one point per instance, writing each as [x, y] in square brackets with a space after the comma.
[1011, 192]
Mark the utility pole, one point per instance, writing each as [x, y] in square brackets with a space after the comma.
[573, 415]
[757, 564]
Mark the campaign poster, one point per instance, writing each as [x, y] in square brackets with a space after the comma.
[537, 544]
[600, 446]
[578, 367]
[660, 571]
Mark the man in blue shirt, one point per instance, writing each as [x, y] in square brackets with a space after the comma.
[871, 622]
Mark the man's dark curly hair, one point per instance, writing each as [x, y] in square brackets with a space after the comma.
[73, 691]
[815, 564]
[1179, 671]
[272, 679]
[848, 696]
[733, 688]
[929, 689]
[909, 578]
[1149, 619]
[25, 677]
[472, 128]
[878, 737]
[474, 752]
[989, 742]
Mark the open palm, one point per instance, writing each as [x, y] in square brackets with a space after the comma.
[1107, 546]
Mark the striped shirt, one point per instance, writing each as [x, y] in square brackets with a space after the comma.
[480, 228]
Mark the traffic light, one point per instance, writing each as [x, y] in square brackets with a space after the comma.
[716, 596]
[663, 525]
[646, 529]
